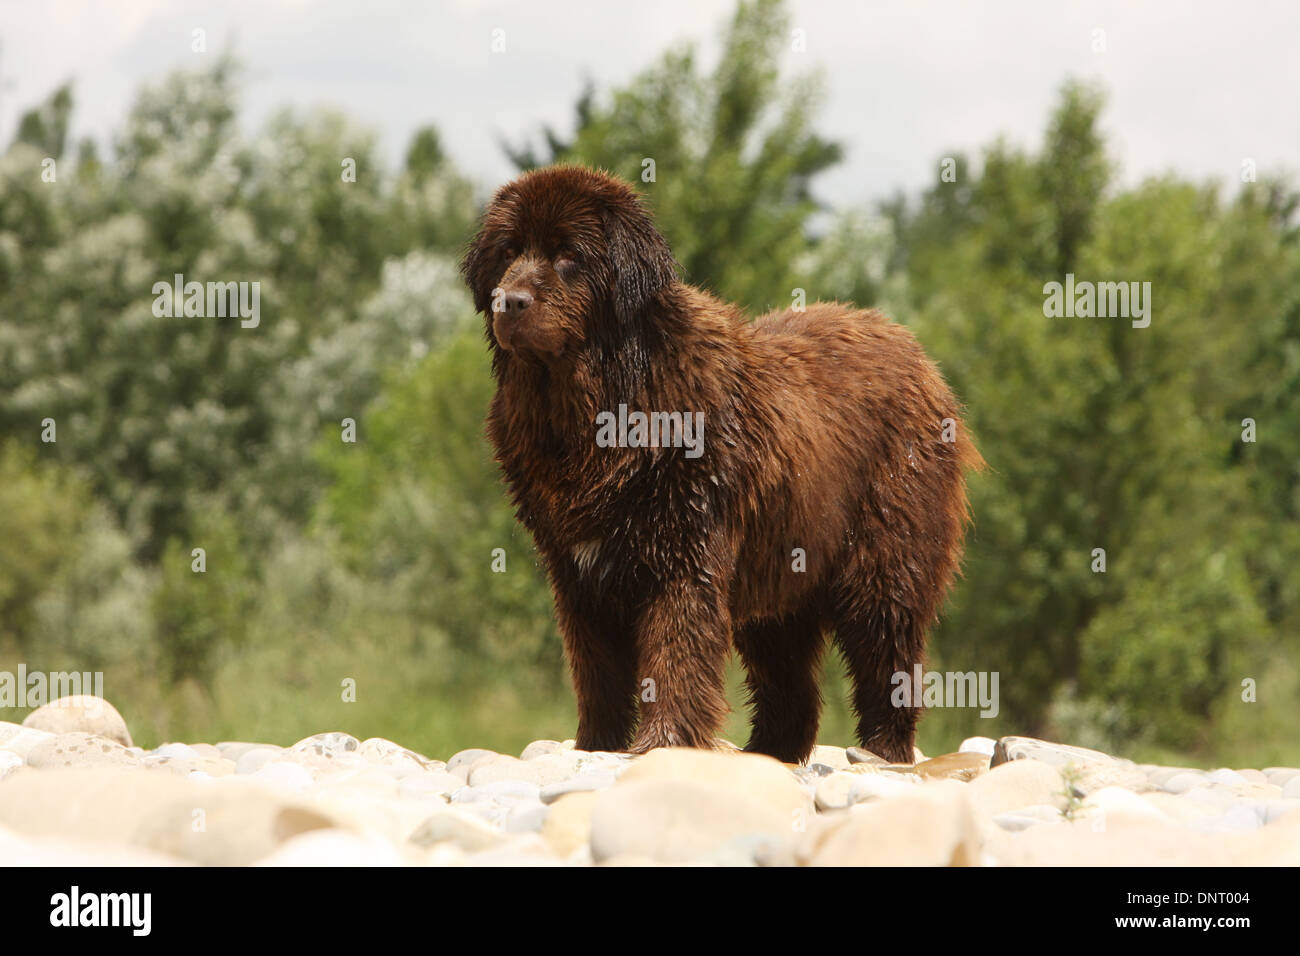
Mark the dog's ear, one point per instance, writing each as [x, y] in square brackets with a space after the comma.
[639, 256]
[476, 269]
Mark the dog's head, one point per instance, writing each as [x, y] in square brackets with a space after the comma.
[565, 256]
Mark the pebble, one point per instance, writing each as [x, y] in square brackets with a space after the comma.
[499, 767]
[1238, 818]
[932, 825]
[1116, 804]
[283, 775]
[1014, 785]
[755, 777]
[1230, 777]
[500, 791]
[80, 750]
[436, 784]
[526, 818]
[555, 767]
[1180, 810]
[567, 828]
[522, 850]
[255, 758]
[877, 787]
[1008, 749]
[9, 762]
[858, 755]
[956, 766]
[978, 745]
[832, 792]
[207, 766]
[466, 830]
[86, 798]
[1088, 778]
[333, 847]
[677, 820]
[459, 763]
[396, 760]
[752, 849]
[19, 740]
[1158, 775]
[1182, 782]
[593, 780]
[1016, 820]
[80, 713]
[234, 749]
[539, 748]
[178, 752]
[1271, 810]
[327, 751]
[835, 758]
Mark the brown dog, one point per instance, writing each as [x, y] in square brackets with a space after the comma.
[784, 479]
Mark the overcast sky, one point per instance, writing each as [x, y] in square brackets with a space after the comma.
[1194, 86]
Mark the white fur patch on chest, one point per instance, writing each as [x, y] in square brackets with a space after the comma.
[585, 554]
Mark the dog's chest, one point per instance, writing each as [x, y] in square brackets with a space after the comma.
[586, 558]
[602, 521]
[611, 514]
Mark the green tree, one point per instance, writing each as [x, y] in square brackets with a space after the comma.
[734, 157]
[204, 598]
[1102, 435]
[169, 413]
[418, 503]
[46, 127]
[43, 507]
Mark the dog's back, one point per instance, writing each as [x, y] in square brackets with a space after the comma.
[873, 427]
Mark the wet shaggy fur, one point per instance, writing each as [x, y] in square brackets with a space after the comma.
[823, 436]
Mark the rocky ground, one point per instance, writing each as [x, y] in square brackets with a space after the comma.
[74, 791]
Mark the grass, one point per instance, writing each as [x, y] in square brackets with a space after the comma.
[284, 689]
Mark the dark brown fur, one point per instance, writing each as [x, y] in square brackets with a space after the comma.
[822, 432]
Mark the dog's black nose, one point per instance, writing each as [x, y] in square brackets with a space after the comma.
[517, 302]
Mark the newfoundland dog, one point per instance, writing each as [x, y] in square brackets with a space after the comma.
[695, 481]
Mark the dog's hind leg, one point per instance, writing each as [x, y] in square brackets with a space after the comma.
[782, 658]
[880, 638]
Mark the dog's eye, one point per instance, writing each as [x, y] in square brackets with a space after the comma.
[512, 253]
[565, 265]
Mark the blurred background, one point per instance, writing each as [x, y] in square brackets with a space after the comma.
[930, 160]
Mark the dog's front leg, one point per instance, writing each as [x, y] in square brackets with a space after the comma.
[682, 640]
[602, 659]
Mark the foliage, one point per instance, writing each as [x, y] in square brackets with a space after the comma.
[733, 151]
[371, 563]
[1102, 435]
